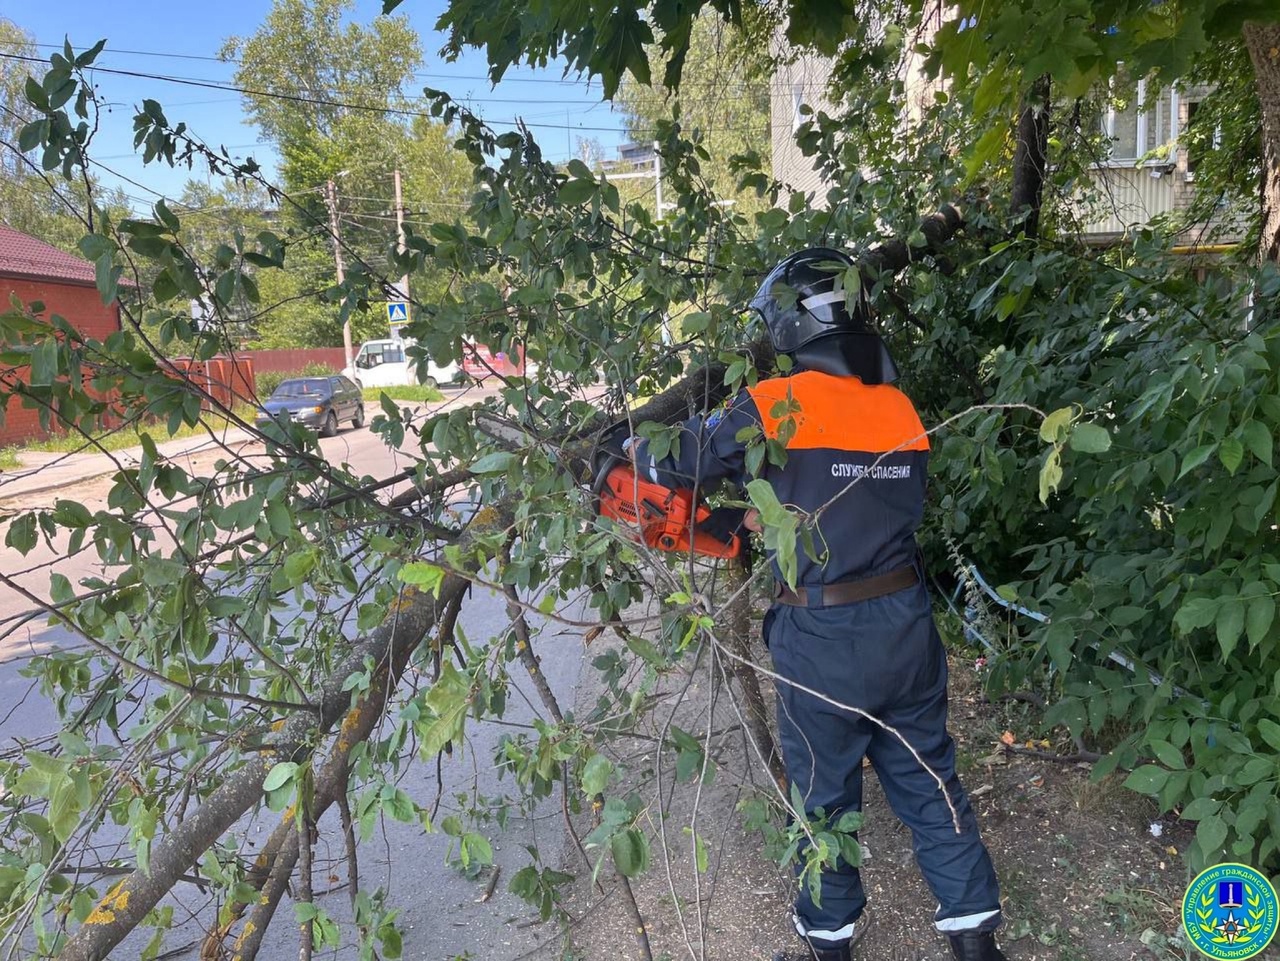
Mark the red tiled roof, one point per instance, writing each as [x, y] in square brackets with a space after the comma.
[25, 256]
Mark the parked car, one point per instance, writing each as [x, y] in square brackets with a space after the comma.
[318, 402]
[384, 363]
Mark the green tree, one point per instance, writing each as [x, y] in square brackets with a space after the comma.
[1005, 59]
[722, 103]
[348, 122]
[15, 112]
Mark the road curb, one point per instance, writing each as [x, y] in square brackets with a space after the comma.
[47, 486]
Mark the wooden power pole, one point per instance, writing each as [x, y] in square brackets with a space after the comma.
[331, 196]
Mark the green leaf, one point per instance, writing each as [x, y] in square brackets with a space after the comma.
[1148, 779]
[107, 278]
[305, 911]
[427, 577]
[1198, 611]
[44, 362]
[781, 528]
[595, 774]
[701, 860]
[166, 216]
[1196, 458]
[21, 535]
[1053, 429]
[1270, 732]
[1168, 755]
[280, 775]
[1259, 616]
[298, 565]
[630, 849]
[1258, 439]
[1229, 625]
[1231, 453]
[1089, 438]
[574, 192]
[1060, 641]
[1201, 807]
[1050, 475]
[1211, 833]
[766, 501]
[495, 463]
[985, 150]
[32, 135]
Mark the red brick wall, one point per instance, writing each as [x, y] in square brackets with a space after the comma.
[78, 304]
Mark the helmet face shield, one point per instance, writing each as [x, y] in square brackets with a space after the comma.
[805, 306]
[804, 298]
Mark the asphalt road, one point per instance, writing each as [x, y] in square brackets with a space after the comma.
[440, 914]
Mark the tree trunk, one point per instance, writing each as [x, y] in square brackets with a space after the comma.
[1029, 157]
[1263, 42]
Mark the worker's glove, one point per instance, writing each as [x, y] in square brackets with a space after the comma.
[724, 522]
[615, 441]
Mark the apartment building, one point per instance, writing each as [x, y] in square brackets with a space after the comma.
[1142, 172]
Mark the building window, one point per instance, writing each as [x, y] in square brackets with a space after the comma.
[1198, 142]
[797, 101]
[1139, 123]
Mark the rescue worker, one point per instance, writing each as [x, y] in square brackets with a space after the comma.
[859, 625]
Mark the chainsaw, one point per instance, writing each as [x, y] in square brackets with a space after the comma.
[657, 516]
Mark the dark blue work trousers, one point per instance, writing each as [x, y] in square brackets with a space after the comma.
[884, 656]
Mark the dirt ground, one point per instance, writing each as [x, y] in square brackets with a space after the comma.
[1084, 875]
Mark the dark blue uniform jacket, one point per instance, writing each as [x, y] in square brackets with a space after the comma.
[856, 453]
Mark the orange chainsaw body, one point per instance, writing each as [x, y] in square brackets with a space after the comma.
[661, 518]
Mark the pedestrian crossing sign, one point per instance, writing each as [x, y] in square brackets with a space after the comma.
[397, 312]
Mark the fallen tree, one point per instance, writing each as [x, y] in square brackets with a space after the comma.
[263, 617]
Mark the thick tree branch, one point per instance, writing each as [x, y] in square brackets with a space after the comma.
[1029, 152]
[128, 903]
[1263, 43]
[274, 864]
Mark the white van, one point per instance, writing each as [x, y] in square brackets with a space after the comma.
[382, 363]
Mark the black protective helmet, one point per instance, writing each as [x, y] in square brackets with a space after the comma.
[804, 305]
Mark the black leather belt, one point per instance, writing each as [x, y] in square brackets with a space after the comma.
[849, 592]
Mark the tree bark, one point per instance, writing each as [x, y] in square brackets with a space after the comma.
[1263, 43]
[1029, 154]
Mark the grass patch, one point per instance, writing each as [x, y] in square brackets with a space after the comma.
[9, 458]
[407, 392]
[128, 435]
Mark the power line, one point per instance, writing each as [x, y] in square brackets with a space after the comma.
[321, 101]
[314, 101]
[430, 75]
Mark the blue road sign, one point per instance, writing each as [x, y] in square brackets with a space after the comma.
[397, 312]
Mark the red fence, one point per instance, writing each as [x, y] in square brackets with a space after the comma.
[291, 361]
[228, 379]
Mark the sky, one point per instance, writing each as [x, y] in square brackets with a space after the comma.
[178, 38]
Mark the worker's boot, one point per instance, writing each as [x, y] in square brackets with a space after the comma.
[972, 946]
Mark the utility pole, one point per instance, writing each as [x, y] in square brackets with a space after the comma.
[656, 174]
[401, 246]
[331, 196]
[657, 181]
